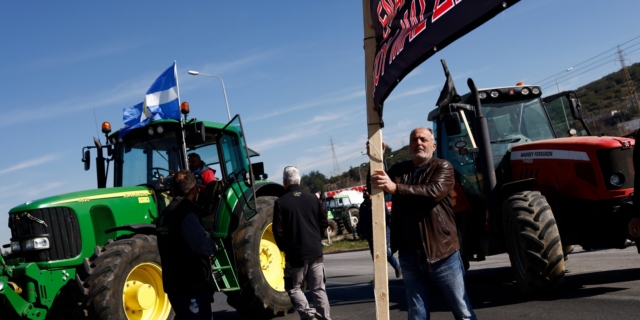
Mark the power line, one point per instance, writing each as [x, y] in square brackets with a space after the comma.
[585, 61]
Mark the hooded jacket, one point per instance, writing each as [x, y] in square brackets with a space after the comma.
[427, 194]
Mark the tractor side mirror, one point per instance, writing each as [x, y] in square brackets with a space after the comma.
[258, 170]
[576, 108]
[87, 160]
[452, 124]
[196, 133]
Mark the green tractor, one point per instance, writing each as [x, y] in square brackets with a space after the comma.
[93, 254]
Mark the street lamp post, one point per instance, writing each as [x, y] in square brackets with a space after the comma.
[386, 167]
[559, 74]
[224, 91]
[561, 102]
[360, 172]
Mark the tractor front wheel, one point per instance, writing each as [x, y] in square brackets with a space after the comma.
[533, 242]
[260, 266]
[125, 281]
[332, 229]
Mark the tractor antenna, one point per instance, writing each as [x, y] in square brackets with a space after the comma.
[96, 121]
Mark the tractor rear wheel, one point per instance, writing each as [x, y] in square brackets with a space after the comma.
[125, 281]
[260, 266]
[533, 242]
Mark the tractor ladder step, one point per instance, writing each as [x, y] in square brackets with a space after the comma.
[222, 271]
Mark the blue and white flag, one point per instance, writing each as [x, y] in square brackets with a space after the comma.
[163, 98]
[162, 101]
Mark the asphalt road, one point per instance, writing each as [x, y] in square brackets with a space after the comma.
[601, 284]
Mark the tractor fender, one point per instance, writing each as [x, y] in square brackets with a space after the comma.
[510, 188]
[139, 228]
[262, 190]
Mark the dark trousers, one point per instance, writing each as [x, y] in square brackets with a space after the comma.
[390, 258]
[181, 301]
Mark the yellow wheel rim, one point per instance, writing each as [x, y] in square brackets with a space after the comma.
[271, 260]
[143, 297]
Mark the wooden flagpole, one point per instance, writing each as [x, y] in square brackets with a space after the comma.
[381, 286]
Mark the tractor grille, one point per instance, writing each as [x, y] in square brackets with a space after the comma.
[616, 160]
[62, 230]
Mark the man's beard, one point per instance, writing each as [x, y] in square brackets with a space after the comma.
[423, 156]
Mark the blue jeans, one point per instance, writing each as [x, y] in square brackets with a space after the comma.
[447, 275]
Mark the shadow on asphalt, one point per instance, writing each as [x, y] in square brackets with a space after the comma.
[487, 288]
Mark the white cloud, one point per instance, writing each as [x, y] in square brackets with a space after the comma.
[358, 93]
[68, 58]
[124, 94]
[412, 92]
[30, 163]
[234, 66]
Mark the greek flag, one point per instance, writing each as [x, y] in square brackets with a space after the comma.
[162, 101]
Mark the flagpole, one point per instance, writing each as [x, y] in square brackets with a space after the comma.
[175, 74]
[381, 285]
[184, 142]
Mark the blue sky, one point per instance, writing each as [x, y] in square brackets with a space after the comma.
[293, 71]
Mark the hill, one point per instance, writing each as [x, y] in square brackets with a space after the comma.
[607, 102]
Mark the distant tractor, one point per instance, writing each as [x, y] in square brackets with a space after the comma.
[531, 180]
[344, 209]
[93, 254]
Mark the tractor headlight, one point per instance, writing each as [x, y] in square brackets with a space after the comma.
[495, 94]
[524, 91]
[35, 244]
[482, 95]
[535, 90]
[617, 179]
[40, 243]
[150, 131]
[15, 246]
[160, 129]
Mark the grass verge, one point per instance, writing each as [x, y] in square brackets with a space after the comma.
[345, 245]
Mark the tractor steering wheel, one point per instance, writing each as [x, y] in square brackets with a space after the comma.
[159, 180]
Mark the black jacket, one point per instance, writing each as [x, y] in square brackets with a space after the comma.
[298, 224]
[365, 223]
[182, 270]
[427, 194]
[636, 179]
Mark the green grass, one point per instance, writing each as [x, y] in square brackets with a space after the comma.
[345, 245]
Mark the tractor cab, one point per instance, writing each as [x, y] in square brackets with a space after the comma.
[514, 115]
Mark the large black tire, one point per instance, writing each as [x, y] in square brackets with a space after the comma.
[115, 269]
[260, 265]
[332, 229]
[533, 242]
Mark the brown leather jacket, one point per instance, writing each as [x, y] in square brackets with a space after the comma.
[429, 195]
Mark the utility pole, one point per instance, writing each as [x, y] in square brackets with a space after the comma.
[336, 166]
[631, 88]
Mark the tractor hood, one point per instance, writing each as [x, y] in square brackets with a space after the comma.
[575, 144]
[85, 196]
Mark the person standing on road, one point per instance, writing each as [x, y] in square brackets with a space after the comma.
[185, 252]
[298, 224]
[424, 230]
[365, 229]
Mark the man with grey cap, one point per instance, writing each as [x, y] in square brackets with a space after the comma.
[298, 222]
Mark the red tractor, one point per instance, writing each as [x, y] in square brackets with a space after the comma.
[531, 180]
